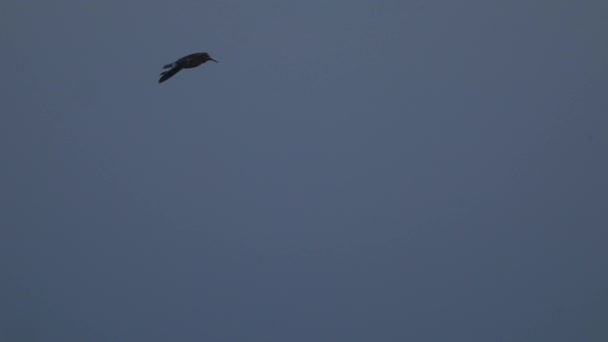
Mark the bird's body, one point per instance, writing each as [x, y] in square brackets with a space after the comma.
[187, 62]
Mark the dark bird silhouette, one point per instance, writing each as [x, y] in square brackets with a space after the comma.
[187, 62]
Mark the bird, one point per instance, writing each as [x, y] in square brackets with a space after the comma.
[187, 62]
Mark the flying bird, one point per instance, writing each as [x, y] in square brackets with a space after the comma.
[187, 62]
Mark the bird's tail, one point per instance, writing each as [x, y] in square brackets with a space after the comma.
[165, 75]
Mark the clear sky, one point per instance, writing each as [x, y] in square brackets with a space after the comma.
[349, 171]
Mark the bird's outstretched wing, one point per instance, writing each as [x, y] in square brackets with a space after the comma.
[165, 75]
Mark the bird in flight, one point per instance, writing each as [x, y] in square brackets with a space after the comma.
[187, 62]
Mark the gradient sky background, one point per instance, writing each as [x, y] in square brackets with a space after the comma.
[350, 171]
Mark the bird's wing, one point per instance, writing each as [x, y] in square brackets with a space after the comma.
[185, 58]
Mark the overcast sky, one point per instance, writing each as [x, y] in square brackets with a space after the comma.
[349, 171]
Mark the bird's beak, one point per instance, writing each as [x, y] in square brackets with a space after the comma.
[211, 59]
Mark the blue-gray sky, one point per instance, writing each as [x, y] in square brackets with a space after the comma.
[349, 171]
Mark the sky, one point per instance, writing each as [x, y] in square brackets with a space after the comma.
[349, 171]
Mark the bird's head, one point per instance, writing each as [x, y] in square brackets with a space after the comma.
[208, 58]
